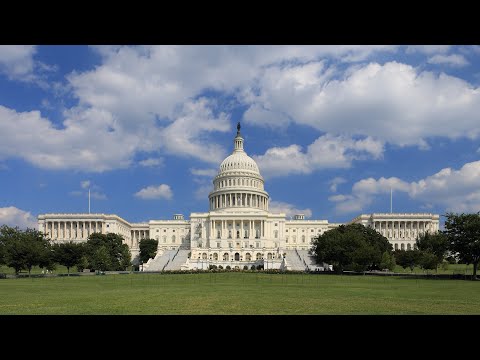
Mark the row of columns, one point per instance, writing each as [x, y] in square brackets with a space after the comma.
[138, 235]
[238, 199]
[72, 230]
[222, 226]
[393, 228]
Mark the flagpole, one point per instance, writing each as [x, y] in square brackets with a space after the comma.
[89, 201]
[390, 200]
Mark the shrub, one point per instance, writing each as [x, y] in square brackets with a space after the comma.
[228, 267]
[245, 267]
[220, 267]
[259, 267]
[253, 267]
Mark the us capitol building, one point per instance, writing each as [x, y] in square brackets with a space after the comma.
[237, 231]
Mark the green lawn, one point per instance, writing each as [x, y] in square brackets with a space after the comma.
[237, 293]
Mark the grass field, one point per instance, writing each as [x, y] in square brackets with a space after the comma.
[237, 293]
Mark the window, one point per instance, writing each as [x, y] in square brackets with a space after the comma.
[275, 234]
[229, 234]
[294, 230]
[257, 245]
[173, 238]
[156, 238]
[164, 230]
[294, 239]
[218, 244]
[303, 238]
[276, 224]
[173, 230]
[218, 234]
[286, 230]
[157, 230]
[108, 225]
[259, 256]
[311, 230]
[286, 239]
[238, 234]
[164, 238]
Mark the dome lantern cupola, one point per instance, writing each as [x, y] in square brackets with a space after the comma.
[238, 184]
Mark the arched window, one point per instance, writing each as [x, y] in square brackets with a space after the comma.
[237, 257]
[215, 256]
[303, 238]
[409, 247]
[259, 256]
[173, 238]
[269, 256]
[248, 257]
[164, 238]
[225, 257]
[204, 256]
[396, 246]
[402, 246]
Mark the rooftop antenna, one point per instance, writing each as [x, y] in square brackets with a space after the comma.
[390, 199]
[89, 200]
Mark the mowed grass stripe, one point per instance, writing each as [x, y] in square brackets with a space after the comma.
[237, 293]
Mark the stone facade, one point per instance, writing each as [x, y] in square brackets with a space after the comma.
[238, 230]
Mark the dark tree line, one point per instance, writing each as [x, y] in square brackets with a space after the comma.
[23, 249]
[355, 247]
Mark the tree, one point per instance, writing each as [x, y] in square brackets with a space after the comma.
[68, 254]
[435, 245]
[148, 249]
[351, 246]
[118, 254]
[388, 261]
[407, 258]
[427, 260]
[23, 249]
[100, 259]
[463, 234]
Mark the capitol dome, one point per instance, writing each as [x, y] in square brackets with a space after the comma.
[238, 183]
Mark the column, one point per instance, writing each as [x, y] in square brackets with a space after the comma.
[241, 229]
[261, 228]
[250, 232]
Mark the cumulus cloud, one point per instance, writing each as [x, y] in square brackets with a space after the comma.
[393, 102]
[289, 209]
[204, 172]
[150, 162]
[455, 60]
[162, 191]
[202, 192]
[456, 190]
[85, 184]
[428, 49]
[327, 151]
[335, 182]
[13, 216]
[16, 61]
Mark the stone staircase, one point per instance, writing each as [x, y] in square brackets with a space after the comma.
[160, 261]
[178, 259]
[309, 261]
[294, 261]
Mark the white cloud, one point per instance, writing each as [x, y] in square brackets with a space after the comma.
[16, 61]
[393, 102]
[13, 216]
[335, 182]
[151, 162]
[98, 195]
[456, 190]
[453, 60]
[202, 192]
[85, 184]
[289, 209]
[428, 49]
[204, 172]
[155, 192]
[327, 151]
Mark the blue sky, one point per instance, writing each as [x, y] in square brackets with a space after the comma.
[145, 128]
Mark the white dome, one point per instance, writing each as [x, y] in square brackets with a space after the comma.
[239, 161]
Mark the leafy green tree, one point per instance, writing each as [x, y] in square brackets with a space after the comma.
[23, 249]
[434, 244]
[68, 254]
[100, 259]
[351, 246]
[119, 257]
[148, 249]
[388, 261]
[407, 258]
[463, 233]
[82, 263]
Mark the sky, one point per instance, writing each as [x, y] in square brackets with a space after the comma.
[333, 129]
